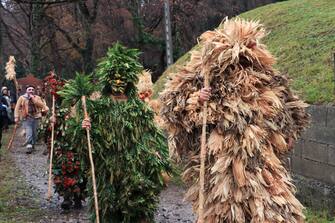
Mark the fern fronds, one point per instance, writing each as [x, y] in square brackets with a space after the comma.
[74, 89]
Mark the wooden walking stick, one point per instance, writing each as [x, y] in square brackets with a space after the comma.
[83, 100]
[12, 137]
[52, 147]
[16, 87]
[203, 155]
[11, 75]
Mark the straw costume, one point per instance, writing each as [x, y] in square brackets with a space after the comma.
[252, 117]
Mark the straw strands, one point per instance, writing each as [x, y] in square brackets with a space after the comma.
[10, 69]
[252, 116]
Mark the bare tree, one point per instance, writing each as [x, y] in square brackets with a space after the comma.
[23, 27]
[84, 13]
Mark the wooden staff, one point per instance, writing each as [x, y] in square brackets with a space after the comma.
[16, 88]
[201, 216]
[12, 137]
[52, 147]
[83, 99]
[11, 75]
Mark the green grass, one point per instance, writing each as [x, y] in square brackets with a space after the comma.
[302, 37]
[17, 203]
[318, 217]
[159, 84]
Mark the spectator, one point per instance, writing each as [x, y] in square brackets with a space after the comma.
[6, 101]
[29, 108]
[3, 116]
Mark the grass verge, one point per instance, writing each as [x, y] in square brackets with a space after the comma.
[17, 203]
[318, 216]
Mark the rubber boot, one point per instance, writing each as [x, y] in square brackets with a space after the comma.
[66, 204]
[77, 202]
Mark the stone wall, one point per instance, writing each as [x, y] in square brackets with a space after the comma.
[314, 154]
[313, 160]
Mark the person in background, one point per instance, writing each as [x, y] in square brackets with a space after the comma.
[5, 95]
[29, 108]
[3, 117]
[13, 99]
[6, 101]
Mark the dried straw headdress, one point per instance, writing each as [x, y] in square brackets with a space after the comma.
[10, 69]
[144, 85]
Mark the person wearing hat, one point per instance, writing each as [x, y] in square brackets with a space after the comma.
[29, 108]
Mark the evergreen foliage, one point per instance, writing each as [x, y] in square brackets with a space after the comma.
[118, 71]
[74, 89]
[130, 152]
[69, 174]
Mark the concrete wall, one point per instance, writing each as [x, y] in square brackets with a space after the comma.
[314, 155]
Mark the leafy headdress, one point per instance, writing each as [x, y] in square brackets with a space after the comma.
[117, 72]
[74, 89]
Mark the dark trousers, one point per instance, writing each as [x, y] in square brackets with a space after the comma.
[1, 127]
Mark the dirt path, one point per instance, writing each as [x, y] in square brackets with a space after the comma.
[34, 169]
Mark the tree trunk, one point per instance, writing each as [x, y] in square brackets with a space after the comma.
[2, 58]
[87, 20]
[36, 18]
[1, 52]
[87, 56]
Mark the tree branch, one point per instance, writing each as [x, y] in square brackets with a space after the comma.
[45, 2]
[95, 11]
[44, 44]
[67, 36]
[11, 39]
[24, 11]
[83, 9]
[14, 17]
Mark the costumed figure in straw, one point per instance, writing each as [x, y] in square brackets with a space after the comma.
[145, 93]
[252, 120]
[129, 151]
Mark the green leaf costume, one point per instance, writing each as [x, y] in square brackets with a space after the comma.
[69, 175]
[130, 152]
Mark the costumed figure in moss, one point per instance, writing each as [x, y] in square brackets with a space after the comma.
[253, 119]
[129, 151]
[68, 175]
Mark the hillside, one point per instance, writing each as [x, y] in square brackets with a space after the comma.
[302, 37]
